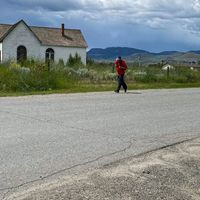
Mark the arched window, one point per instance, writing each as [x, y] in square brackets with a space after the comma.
[21, 53]
[49, 55]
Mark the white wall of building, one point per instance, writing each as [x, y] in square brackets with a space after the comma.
[21, 35]
[0, 52]
[64, 52]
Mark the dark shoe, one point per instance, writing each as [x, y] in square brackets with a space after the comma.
[125, 90]
[116, 91]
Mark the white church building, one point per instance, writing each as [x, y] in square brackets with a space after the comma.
[20, 41]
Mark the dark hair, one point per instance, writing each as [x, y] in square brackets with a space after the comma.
[119, 57]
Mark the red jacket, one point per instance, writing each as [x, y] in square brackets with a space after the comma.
[121, 67]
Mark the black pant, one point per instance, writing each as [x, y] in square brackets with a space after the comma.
[121, 82]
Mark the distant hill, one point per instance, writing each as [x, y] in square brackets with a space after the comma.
[111, 53]
[196, 52]
[166, 53]
[142, 56]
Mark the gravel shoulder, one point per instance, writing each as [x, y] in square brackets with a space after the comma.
[170, 173]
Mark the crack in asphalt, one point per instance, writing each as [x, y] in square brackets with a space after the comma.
[98, 158]
[9, 189]
[4, 195]
[92, 161]
[66, 169]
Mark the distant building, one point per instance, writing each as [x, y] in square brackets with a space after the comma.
[20, 41]
[167, 66]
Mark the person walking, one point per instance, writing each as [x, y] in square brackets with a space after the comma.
[121, 68]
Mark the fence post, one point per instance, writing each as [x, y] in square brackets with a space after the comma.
[167, 72]
[48, 65]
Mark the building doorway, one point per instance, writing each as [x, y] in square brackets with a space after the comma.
[49, 55]
[21, 53]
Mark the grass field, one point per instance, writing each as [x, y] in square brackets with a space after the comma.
[35, 77]
[101, 88]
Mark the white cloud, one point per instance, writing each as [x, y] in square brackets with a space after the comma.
[138, 8]
[153, 13]
[175, 17]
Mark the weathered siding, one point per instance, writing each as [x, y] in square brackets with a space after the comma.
[21, 35]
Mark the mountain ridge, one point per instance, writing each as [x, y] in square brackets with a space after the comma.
[143, 56]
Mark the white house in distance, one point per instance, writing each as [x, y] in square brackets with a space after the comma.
[20, 41]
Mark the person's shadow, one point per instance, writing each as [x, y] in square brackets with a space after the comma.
[133, 93]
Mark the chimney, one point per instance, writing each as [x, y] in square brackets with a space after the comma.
[63, 29]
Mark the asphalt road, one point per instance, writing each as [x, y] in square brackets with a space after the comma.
[48, 137]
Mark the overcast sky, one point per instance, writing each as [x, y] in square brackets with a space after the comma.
[154, 25]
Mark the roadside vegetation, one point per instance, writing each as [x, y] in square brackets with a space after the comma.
[37, 77]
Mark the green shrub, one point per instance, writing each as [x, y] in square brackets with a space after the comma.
[72, 61]
[35, 78]
[35, 75]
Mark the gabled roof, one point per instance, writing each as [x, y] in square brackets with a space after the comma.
[4, 28]
[12, 27]
[49, 36]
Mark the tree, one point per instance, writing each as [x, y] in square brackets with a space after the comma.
[76, 60]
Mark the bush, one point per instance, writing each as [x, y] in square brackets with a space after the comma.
[109, 76]
[148, 75]
[72, 61]
[35, 75]
[35, 78]
[90, 61]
